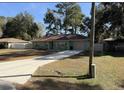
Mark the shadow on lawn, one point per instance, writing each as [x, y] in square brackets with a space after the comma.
[84, 54]
[7, 56]
[115, 54]
[99, 54]
[49, 84]
[65, 76]
[121, 84]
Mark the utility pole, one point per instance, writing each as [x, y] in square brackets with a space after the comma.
[92, 69]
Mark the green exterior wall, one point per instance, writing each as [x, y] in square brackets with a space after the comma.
[62, 45]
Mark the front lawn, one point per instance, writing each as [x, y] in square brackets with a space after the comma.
[19, 54]
[71, 73]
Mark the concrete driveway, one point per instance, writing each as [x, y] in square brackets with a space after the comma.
[20, 71]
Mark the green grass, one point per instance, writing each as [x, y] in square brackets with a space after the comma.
[110, 74]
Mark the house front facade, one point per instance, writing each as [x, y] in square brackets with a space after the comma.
[61, 42]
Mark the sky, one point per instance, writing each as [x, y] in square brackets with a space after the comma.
[37, 10]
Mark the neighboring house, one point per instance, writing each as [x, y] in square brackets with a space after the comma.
[14, 43]
[61, 42]
[113, 45]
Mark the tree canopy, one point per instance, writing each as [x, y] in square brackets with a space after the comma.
[66, 18]
[109, 20]
[2, 24]
[22, 26]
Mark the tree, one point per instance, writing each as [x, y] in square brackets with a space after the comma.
[109, 20]
[54, 23]
[22, 26]
[74, 17]
[85, 27]
[2, 21]
[2, 24]
[62, 12]
[67, 18]
[40, 31]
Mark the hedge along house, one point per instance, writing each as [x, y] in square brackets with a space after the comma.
[14, 43]
[61, 42]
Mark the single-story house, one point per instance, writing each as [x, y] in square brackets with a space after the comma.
[113, 44]
[14, 43]
[61, 42]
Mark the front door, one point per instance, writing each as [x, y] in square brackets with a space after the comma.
[51, 45]
[71, 46]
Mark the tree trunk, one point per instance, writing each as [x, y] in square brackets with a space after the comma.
[72, 32]
[75, 30]
[65, 31]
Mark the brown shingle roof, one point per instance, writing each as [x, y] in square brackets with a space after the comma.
[75, 37]
[60, 37]
[12, 40]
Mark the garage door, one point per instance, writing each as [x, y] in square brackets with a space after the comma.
[18, 45]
